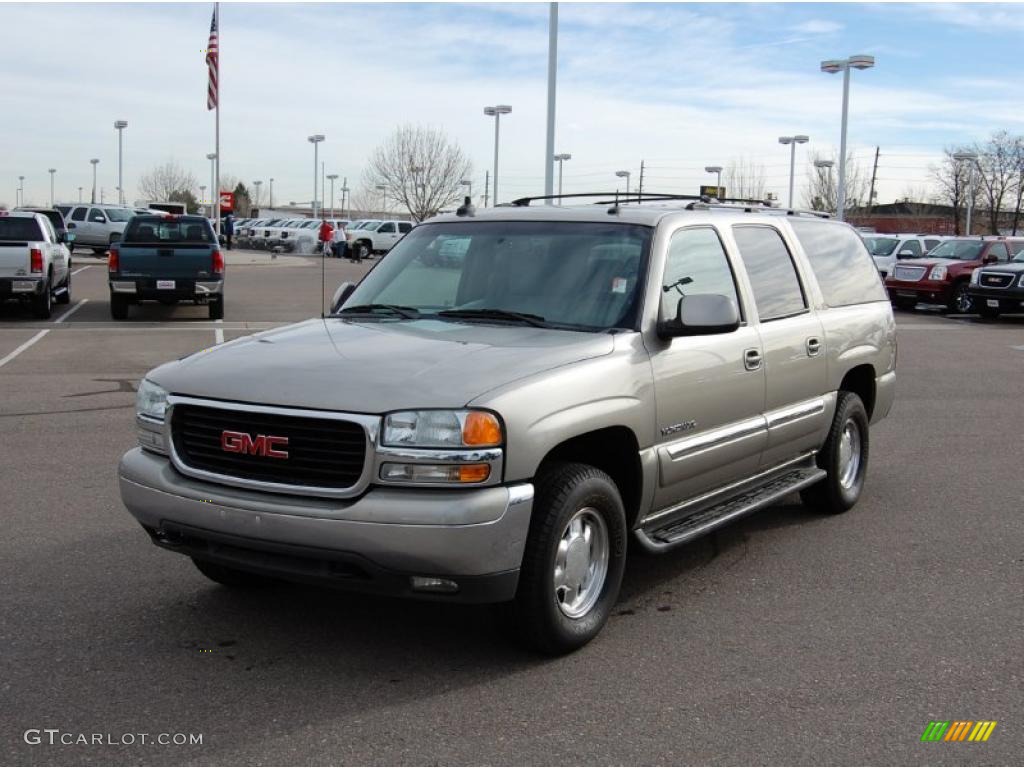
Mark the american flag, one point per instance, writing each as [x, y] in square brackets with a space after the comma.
[212, 58]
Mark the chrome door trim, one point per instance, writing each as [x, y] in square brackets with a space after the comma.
[715, 438]
[789, 414]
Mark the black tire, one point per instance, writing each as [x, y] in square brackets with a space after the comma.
[989, 313]
[363, 250]
[99, 251]
[564, 492]
[961, 302]
[118, 307]
[42, 305]
[217, 309]
[838, 492]
[901, 302]
[65, 296]
[230, 577]
[71, 247]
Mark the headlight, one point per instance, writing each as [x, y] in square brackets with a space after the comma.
[1021, 283]
[442, 429]
[975, 276]
[937, 273]
[151, 400]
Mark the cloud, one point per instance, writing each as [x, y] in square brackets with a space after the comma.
[818, 27]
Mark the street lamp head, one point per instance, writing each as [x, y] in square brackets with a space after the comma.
[801, 139]
[503, 109]
[316, 138]
[563, 156]
[382, 186]
[785, 139]
[121, 124]
[969, 156]
[861, 61]
[832, 66]
[212, 156]
[94, 160]
[465, 182]
[331, 176]
[823, 163]
[622, 174]
[53, 170]
[490, 111]
[713, 168]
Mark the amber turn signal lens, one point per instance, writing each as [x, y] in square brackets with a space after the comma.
[481, 429]
[474, 473]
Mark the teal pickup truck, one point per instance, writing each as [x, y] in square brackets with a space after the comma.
[166, 259]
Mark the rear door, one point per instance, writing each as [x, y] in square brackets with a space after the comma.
[794, 345]
[78, 224]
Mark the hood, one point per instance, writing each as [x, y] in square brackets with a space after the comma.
[933, 262]
[378, 366]
[1013, 267]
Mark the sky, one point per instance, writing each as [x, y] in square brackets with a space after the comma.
[677, 86]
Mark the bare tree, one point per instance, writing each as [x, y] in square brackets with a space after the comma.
[420, 170]
[997, 174]
[744, 179]
[1018, 191]
[822, 190]
[952, 177]
[165, 180]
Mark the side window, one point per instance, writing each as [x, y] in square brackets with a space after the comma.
[696, 263]
[386, 228]
[404, 227]
[777, 290]
[51, 235]
[999, 251]
[929, 244]
[913, 246]
[96, 215]
[78, 215]
[840, 262]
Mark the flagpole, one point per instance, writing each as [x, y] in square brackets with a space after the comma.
[216, 139]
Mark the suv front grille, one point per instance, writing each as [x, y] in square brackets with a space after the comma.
[909, 273]
[996, 279]
[319, 453]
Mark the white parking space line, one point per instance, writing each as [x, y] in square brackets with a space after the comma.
[74, 308]
[81, 269]
[5, 360]
[218, 333]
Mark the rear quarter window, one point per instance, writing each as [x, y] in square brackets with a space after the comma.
[842, 265]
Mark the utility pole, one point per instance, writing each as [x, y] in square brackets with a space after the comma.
[487, 186]
[640, 191]
[874, 174]
[549, 150]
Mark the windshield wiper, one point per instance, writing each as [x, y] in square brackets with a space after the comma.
[495, 314]
[409, 313]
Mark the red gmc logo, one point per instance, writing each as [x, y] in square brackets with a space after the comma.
[261, 445]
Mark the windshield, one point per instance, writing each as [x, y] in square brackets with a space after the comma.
[366, 224]
[963, 250]
[157, 229]
[880, 246]
[119, 214]
[575, 275]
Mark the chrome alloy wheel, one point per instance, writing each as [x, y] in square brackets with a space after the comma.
[581, 563]
[849, 454]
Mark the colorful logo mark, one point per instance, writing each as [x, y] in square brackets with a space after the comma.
[958, 730]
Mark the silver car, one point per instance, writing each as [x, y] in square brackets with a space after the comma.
[512, 399]
[96, 226]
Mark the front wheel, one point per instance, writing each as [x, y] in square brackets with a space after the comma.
[574, 559]
[844, 458]
[961, 302]
[42, 305]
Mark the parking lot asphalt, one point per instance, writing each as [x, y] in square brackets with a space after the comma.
[787, 638]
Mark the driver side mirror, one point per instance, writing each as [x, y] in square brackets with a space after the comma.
[905, 254]
[341, 296]
[702, 314]
[71, 225]
[990, 259]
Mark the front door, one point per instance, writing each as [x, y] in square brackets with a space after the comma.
[709, 390]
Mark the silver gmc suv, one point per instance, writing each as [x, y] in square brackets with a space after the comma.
[513, 398]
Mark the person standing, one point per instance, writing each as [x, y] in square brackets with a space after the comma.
[339, 241]
[326, 235]
[229, 229]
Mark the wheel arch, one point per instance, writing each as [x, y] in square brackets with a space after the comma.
[861, 381]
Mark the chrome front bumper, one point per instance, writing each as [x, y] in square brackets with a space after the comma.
[396, 533]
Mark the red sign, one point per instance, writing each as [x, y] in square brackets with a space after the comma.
[227, 202]
[263, 445]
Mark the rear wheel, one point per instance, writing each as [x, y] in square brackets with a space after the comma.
[574, 559]
[961, 302]
[42, 305]
[118, 306]
[230, 577]
[844, 457]
[65, 296]
[217, 308]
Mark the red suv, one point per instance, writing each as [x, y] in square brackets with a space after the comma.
[942, 277]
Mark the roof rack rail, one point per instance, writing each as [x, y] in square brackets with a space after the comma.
[638, 197]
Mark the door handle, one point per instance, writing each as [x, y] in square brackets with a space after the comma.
[813, 347]
[752, 359]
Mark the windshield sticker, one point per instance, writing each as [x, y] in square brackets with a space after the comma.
[619, 284]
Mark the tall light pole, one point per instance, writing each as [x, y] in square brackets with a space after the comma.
[95, 161]
[258, 183]
[496, 113]
[332, 177]
[383, 189]
[832, 66]
[823, 165]
[344, 198]
[21, 190]
[972, 158]
[53, 171]
[315, 140]
[624, 175]
[718, 170]
[561, 159]
[214, 192]
[120, 125]
[270, 202]
[202, 196]
[549, 150]
[792, 141]
[79, 194]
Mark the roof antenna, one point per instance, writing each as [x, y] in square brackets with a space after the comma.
[614, 210]
[466, 209]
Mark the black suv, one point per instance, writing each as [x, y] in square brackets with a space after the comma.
[999, 288]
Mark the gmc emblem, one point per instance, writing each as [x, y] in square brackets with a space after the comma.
[268, 446]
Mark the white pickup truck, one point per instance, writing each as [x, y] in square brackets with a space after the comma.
[375, 237]
[35, 267]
